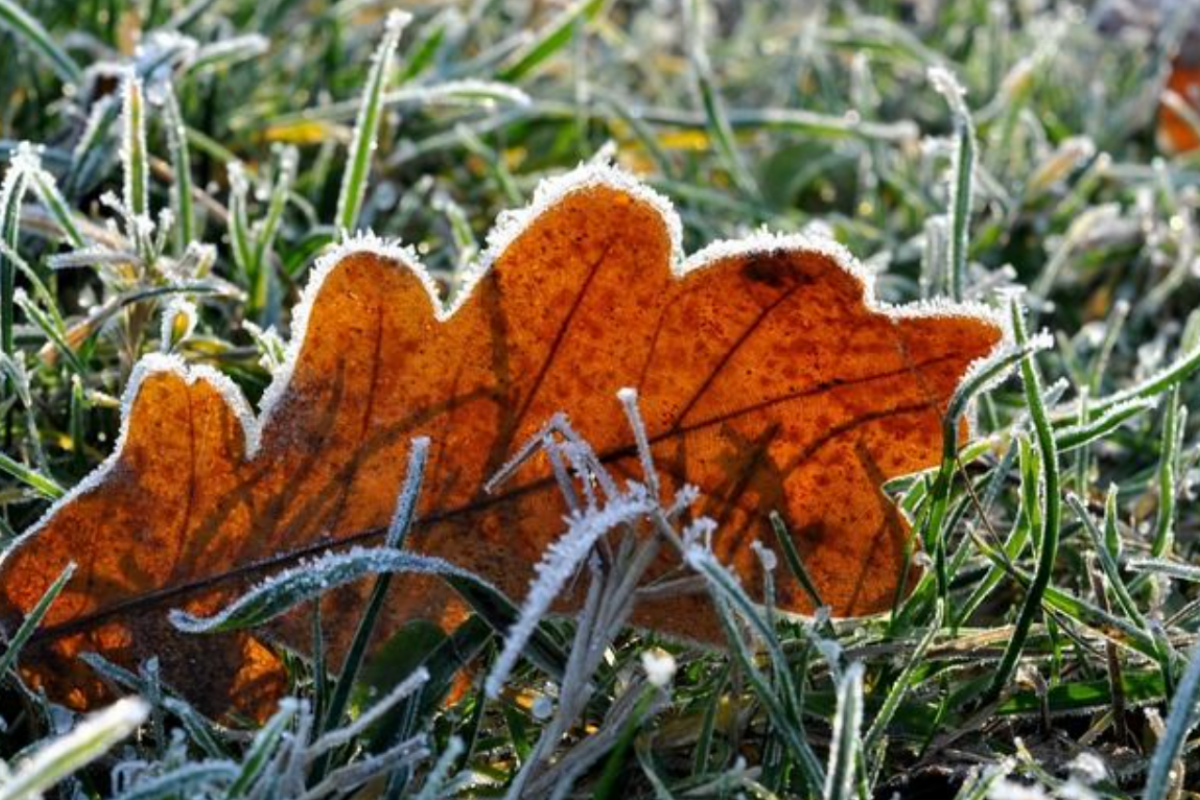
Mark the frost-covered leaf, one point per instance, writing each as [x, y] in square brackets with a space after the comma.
[769, 378]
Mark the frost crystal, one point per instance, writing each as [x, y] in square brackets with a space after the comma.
[660, 667]
[766, 555]
[1004, 789]
[1089, 768]
[178, 323]
[949, 87]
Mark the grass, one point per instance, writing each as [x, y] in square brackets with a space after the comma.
[1051, 645]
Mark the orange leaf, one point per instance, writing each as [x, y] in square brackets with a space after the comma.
[768, 377]
[1176, 134]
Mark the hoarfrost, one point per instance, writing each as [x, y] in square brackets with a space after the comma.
[310, 578]
[178, 323]
[1005, 789]
[90, 739]
[133, 143]
[557, 565]
[766, 555]
[660, 667]
[376, 712]
[508, 228]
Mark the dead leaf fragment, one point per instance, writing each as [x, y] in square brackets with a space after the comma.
[768, 378]
[1176, 133]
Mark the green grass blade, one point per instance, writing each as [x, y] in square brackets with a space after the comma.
[1161, 775]
[903, 682]
[961, 177]
[366, 128]
[182, 780]
[286, 590]
[1164, 525]
[845, 750]
[1172, 375]
[30, 31]
[783, 702]
[550, 39]
[402, 519]
[34, 618]
[1101, 426]
[12, 195]
[43, 485]
[262, 747]
[134, 157]
[1046, 533]
[715, 114]
[181, 166]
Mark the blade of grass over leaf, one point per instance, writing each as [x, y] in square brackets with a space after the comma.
[284, 591]
[13, 645]
[985, 374]
[795, 564]
[402, 520]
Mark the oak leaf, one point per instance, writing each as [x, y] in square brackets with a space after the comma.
[768, 376]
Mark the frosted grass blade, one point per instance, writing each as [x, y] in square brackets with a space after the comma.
[961, 177]
[845, 750]
[1181, 719]
[89, 740]
[33, 619]
[550, 39]
[402, 519]
[366, 129]
[1047, 529]
[133, 147]
[181, 166]
[287, 589]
